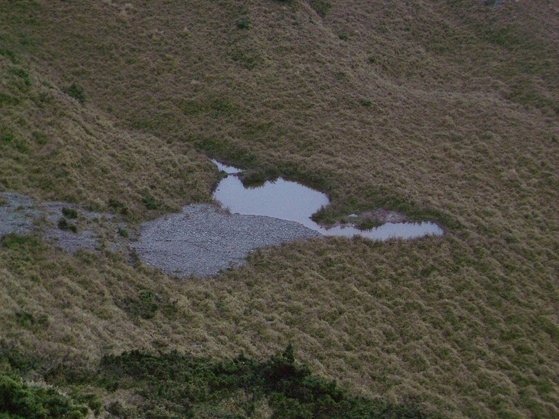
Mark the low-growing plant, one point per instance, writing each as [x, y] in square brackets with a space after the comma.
[77, 92]
[69, 213]
[29, 321]
[146, 305]
[39, 137]
[118, 206]
[22, 74]
[122, 232]
[243, 23]
[10, 140]
[21, 400]
[322, 7]
[181, 385]
[63, 224]
[7, 100]
[17, 242]
[150, 202]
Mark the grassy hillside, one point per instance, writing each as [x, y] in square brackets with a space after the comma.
[446, 110]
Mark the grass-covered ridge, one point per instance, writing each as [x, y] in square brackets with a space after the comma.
[445, 109]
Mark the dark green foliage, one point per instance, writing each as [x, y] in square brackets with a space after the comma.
[19, 400]
[118, 206]
[22, 74]
[29, 321]
[321, 6]
[17, 242]
[8, 54]
[150, 202]
[63, 224]
[146, 305]
[122, 232]
[69, 213]
[182, 385]
[243, 23]
[7, 100]
[246, 58]
[368, 224]
[367, 103]
[77, 92]
[8, 139]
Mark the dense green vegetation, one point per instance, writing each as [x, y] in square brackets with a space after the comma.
[183, 386]
[177, 385]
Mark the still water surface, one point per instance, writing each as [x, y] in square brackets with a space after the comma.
[292, 201]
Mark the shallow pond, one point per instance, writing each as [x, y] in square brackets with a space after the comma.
[292, 201]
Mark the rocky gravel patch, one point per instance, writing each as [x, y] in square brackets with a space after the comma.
[203, 240]
[67, 226]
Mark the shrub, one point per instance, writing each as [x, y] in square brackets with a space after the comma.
[146, 305]
[20, 400]
[118, 206]
[7, 100]
[69, 213]
[182, 385]
[17, 242]
[150, 202]
[122, 232]
[29, 321]
[63, 224]
[321, 7]
[77, 92]
[22, 74]
[243, 23]
[10, 140]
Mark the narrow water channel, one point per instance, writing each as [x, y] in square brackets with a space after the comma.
[292, 201]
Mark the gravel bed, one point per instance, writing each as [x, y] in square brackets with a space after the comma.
[203, 240]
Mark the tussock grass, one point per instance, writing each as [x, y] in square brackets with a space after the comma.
[54, 148]
[445, 110]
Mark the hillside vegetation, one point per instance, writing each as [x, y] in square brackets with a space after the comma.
[443, 110]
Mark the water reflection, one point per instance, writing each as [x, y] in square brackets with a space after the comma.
[292, 201]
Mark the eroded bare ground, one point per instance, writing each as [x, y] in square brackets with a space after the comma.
[68, 226]
[201, 240]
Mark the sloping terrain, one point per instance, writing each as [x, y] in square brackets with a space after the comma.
[442, 110]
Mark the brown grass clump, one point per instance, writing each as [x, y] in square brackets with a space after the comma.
[441, 109]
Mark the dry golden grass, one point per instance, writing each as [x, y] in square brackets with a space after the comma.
[441, 108]
[55, 148]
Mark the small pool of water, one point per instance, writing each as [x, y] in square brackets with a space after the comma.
[292, 201]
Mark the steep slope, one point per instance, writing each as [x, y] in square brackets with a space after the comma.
[440, 109]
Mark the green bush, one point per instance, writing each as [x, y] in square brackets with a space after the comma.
[69, 213]
[119, 207]
[150, 202]
[182, 385]
[77, 92]
[17, 242]
[243, 23]
[19, 400]
[322, 7]
[10, 140]
[146, 305]
[63, 224]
